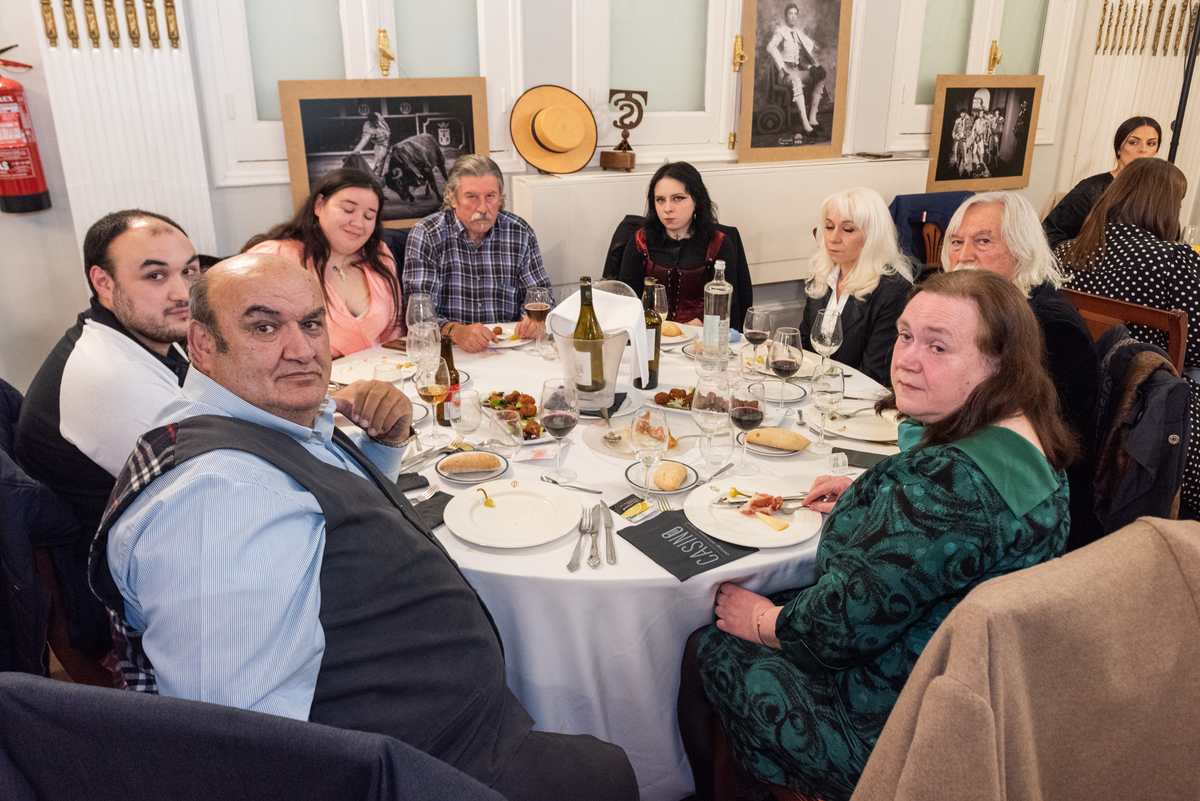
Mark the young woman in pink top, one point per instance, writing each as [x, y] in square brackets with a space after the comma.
[336, 235]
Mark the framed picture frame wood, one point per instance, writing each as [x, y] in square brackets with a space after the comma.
[794, 79]
[983, 131]
[406, 132]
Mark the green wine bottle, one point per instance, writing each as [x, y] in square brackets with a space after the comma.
[653, 336]
[589, 343]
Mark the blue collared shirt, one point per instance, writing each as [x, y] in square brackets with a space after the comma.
[472, 283]
[219, 562]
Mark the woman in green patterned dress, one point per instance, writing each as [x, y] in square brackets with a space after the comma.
[803, 682]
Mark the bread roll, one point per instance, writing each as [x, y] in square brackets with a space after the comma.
[669, 476]
[669, 329]
[471, 463]
[780, 438]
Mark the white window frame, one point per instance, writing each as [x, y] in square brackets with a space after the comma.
[909, 122]
[246, 151]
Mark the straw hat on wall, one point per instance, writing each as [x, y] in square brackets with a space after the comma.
[553, 129]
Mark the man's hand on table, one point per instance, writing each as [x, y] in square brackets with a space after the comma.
[378, 408]
[824, 493]
[526, 329]
[473, 337]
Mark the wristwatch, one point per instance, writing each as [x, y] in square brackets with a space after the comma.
[412, 433]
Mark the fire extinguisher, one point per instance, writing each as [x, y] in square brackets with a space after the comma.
[22, 180]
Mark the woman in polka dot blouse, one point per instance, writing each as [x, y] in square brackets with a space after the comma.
[1127, 250]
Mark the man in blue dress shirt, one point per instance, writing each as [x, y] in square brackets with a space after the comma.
[255, 556]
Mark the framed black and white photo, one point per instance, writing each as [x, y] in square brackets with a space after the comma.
[405, 132]
[794, 79]
[982, 132]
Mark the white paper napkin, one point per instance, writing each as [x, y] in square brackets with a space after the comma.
[614, 313]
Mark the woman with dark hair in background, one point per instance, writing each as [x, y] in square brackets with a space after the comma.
[679, 243]
[1127, 250]
[803, 682]
[1136, 138]
[337, 236]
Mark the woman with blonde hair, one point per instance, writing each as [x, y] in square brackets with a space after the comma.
[858, 270]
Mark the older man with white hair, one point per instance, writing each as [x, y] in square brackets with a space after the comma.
[1000, 232]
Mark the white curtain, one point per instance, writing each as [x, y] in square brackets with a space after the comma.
[125, 111]
[1132, 63]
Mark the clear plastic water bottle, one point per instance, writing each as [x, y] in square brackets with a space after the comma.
[718, 302]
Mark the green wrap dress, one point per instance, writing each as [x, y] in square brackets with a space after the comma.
[908, 540]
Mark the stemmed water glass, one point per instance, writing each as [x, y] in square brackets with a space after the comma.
[560, 414]
[424, 341]
[464, 412]
[785, 356]
[756, 328]
[710, 408]
[420, 310]
[649, 437]
[433, 384]
[826, 334]
[747, 407]
[826, 389]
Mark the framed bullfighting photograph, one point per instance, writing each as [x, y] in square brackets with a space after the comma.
[982, 133]
[407, 133]
[794, 79]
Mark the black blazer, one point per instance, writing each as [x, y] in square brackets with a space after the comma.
[868, 327]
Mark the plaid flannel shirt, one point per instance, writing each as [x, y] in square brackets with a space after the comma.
[470, 283]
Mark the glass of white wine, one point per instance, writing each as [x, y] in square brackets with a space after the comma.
[433, 384]
[826, 389]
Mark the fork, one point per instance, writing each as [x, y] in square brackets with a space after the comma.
[424, 495]
[594, 529]
[664, 505]
[430, 455]
[585, 523]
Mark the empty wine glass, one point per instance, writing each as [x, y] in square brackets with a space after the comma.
[433, 384]
[785, 356]
[389, 372]
[424, 341]
[464, 412]
[710, 408]
[560, 414]
[649, 436]
[826, 389]
[420, 310]
[747, 407]
[756, 328]
[826, 334]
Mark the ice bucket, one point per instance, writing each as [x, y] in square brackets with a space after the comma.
[614, 350]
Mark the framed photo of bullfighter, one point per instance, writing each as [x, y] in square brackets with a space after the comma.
[407, 133]
[982, 133]
[794, 79]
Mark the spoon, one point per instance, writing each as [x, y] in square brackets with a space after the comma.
[549, 480]
[611, 436]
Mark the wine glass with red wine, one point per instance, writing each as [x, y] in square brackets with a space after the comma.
[785, 356]
[756, 328]
[747, 408]
[560, 415]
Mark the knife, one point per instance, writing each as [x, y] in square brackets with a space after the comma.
[724, 501]
[611, 549]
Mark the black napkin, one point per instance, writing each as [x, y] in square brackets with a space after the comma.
[679, 547]
[411, 481]
[431, 510]
[618, 399]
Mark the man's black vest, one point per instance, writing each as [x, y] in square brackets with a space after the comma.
[410, 649]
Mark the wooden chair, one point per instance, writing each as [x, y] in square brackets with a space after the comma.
[1102, 313]
[933, 244]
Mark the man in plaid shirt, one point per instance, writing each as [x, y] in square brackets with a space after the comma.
[473, 258]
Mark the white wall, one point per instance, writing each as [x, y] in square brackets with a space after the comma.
[42, 287]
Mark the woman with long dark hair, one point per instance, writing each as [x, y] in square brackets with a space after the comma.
[337, 236]
[681, 241]
[1136, 138]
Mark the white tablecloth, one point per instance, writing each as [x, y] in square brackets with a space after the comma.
[598, 651]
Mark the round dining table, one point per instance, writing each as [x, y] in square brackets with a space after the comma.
[597, 650]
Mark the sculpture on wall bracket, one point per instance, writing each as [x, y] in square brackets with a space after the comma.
[632, 105]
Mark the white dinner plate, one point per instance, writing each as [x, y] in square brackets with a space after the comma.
[420, 411]
[758, 360]
[472, 478]
[633, 474]
[868, 427]
[593, 437]
[791, 392]
[650, 393]
[730, 525]
[687, 336]
[765, 450]
[505, 340]
[349, 369]
[526, 513]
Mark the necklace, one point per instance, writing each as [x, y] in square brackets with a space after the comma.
[339, 272]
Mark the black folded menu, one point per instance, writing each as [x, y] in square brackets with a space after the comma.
[679, 547]
[618, 399]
